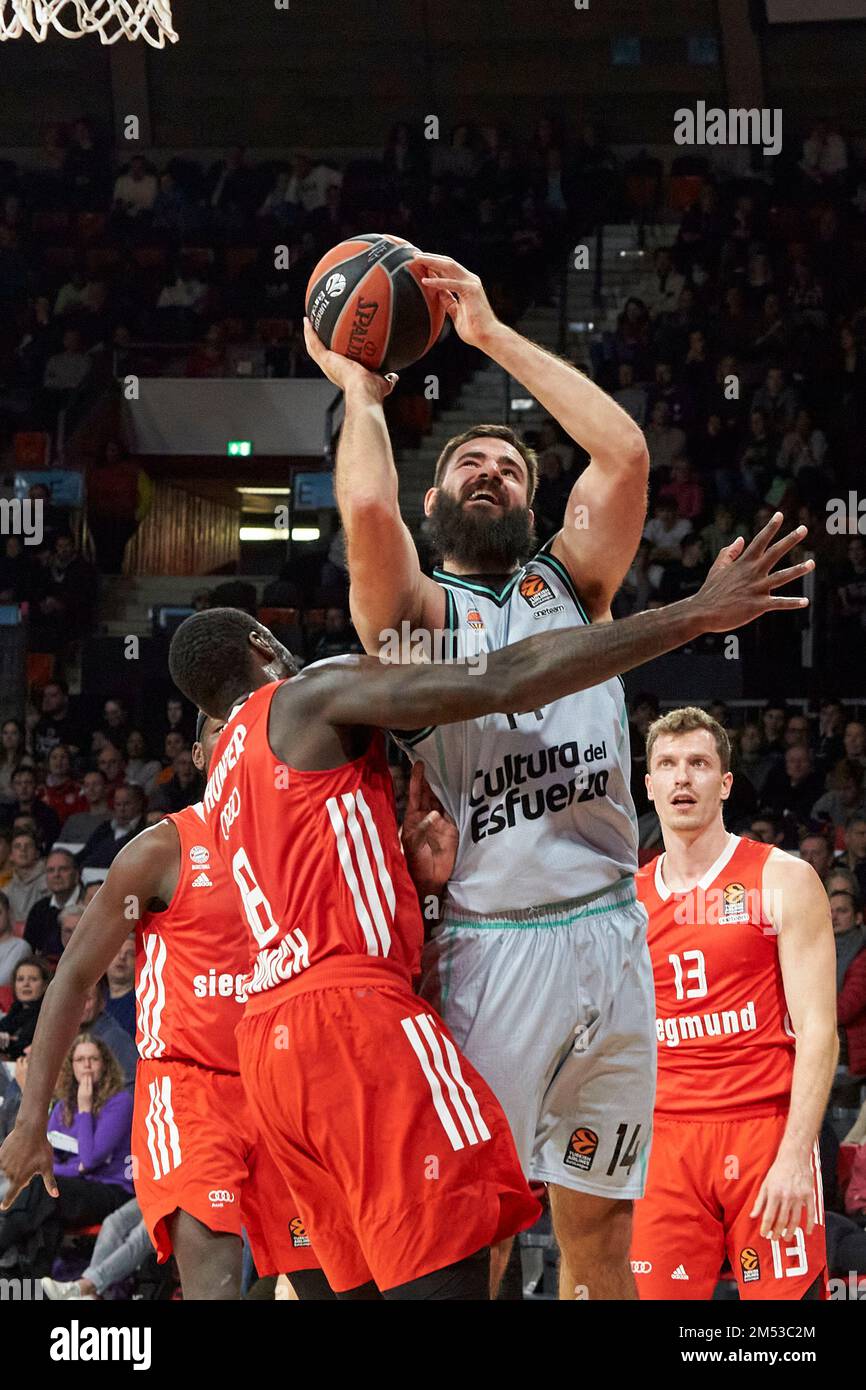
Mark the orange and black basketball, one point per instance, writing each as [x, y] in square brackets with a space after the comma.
[365, 300]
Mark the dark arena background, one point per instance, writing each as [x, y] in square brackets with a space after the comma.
[670, 198]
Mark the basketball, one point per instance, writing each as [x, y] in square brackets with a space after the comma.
[365, 300]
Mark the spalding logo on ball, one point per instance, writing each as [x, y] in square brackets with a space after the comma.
[365, 300]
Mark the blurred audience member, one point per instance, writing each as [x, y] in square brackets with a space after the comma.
[121, 986]
[12, 948]
[108, 839]
[28, 883]
[30, 978]
[62, 878]
[81, 825]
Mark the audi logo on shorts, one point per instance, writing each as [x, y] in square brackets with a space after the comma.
[230, 812]
[220, 1197]
[641, 1267]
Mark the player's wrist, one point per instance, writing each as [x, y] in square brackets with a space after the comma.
[692, 616]
[362, 388]
[495, 338]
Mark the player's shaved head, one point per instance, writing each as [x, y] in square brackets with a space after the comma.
[220, 654]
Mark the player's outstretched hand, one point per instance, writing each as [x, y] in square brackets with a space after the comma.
[26, 1152]
[462, 294]
[429, 837]
[342, 371]
[742, 582]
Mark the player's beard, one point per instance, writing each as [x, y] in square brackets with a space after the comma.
[480, 543]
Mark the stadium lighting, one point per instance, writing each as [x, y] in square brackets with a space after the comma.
[278, 533]
[262, 533]
[265, 491]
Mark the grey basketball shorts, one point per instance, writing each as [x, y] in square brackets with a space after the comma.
[555, 1007]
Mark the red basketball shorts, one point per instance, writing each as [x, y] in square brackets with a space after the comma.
[398, 1153]
[703, 1180]
[196, 1148]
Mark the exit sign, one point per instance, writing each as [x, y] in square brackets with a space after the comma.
[239, 448]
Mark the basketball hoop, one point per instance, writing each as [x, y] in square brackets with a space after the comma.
[110, 19]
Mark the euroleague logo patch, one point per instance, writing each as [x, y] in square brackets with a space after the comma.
[750, 1265]
[581, 1149]
[534, 590]
[335, 284]
[474, 619]
[298, 1233]
[734, 910]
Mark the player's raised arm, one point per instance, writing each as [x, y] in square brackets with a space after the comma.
[739, 588]
[606, 511]
[387, 586]
[798, 908]
[144, 870]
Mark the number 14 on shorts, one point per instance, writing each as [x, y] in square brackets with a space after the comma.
[583, 1146]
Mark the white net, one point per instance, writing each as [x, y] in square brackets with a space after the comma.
[110, 19]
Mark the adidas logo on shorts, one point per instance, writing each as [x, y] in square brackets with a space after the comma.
[202, 881]
[679, 1273]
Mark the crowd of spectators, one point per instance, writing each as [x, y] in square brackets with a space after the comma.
[741, 352]
[102, 251]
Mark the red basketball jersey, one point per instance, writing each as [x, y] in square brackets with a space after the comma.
[724, 1039]
[191, 960]
[315, 856]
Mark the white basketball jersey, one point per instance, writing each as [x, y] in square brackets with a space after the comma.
[541, 800]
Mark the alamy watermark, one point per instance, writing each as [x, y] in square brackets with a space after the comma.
[417, 646]
[737, 126]
[22, 518]
[21, 1290]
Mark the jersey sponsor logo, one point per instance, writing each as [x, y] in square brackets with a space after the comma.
[202, 881]
[535, 590]
[221, 985]
[298, 1232]
[641, 1266]
[548, 612]
[230, 813]
[489, 817]
[230, 755]
[581, 1149]
[220, 1197]
[474, 619]
[679, 1273]
[750, 1265]
[690, 1027]
[276, 964]
[199, 854]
